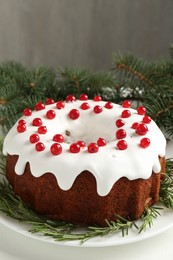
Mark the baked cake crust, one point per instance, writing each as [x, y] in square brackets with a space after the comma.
[81, 204]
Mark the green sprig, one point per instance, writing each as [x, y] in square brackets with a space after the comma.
[148, 216]
[166, 190]
[130, 78]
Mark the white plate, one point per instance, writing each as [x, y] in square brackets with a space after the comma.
[161, 224]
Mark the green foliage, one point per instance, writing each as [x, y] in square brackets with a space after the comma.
[132, 72]
[130, 78]
[148, 216]
[150, 83]
[166, 192]
[76, 81]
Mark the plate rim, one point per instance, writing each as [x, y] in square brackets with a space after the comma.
[164, 221]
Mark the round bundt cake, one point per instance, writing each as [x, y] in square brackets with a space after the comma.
[85, 161]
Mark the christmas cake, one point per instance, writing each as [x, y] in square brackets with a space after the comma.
[85, 161]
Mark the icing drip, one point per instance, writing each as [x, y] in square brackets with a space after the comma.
[108, 164]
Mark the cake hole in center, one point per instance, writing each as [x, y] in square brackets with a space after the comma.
[87, 136]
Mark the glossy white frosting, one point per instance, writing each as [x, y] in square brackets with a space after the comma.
[107, 165]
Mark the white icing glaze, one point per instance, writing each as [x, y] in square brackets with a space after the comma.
[107, 165]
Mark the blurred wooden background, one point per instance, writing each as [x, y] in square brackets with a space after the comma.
[83, 33]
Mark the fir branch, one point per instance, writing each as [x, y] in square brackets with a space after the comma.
[121, 225]
[132, 66]
[13, 206]
[72, 80]
[148, 216]
[103, 84]
[166, 189]
[161, 72]
[164, 110]
[132, 78]
[59, 231]
[37, 81]
[14, 71]
[78, 81]
[69, 233]
[159, 105]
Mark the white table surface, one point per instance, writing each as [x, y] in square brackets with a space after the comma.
[16, 246]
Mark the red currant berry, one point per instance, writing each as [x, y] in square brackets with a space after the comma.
[51, 114]
[109, 105]
[126, 104]
[58, 138]
[141, 110]
[81, 143]
[93, 148]
[27, 112]
[83, 97]
[49, 101]
[141, 129]
[21, 122]
[85, 106]
[56, 149]
[42, 130]
[39, 106]
[97, 98]
[60, 104]
[122, 145]
[97, 109]
[75, 148]
[119, 122]
[101, 142]
[120, 134]
[145, 142]
[126, 113]
[21, 128]
[146, 119]
[135, 125]
[70, 98]
[74, 114]
[34, 138]
[37, 121]
[39, 147]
